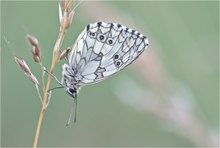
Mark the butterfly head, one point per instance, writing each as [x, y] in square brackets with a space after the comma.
[72, 91]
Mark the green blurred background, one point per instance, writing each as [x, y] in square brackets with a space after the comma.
[183, 35]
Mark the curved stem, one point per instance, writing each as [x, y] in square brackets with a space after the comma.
[54, 60]
[55, 57]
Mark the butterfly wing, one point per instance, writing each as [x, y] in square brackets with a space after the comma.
[103, 49]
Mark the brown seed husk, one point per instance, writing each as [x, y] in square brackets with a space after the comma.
[24, 67]
[33, 40]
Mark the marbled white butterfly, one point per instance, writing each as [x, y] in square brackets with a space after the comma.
[101, 50]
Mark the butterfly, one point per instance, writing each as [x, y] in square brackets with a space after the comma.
[101, 50]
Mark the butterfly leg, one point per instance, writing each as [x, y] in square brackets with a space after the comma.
[50, 93]
[53, 76]
[49, 97]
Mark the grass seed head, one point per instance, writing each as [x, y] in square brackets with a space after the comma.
[24, 67]
[69, 19]
[36, 53]
[33, 40]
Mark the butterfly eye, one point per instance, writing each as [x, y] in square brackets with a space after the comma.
[71, 90]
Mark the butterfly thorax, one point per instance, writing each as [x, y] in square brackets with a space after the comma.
[70, 80]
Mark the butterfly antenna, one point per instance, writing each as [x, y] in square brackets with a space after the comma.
[58, 87]
[74, 107]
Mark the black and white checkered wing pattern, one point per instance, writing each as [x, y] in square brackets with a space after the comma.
[103, 49]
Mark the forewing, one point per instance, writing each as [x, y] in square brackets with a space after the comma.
[103, 49]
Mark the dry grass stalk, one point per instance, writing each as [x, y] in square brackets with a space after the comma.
[66, 5]
[66, 17]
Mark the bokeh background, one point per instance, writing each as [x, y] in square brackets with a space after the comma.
[168, 97]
